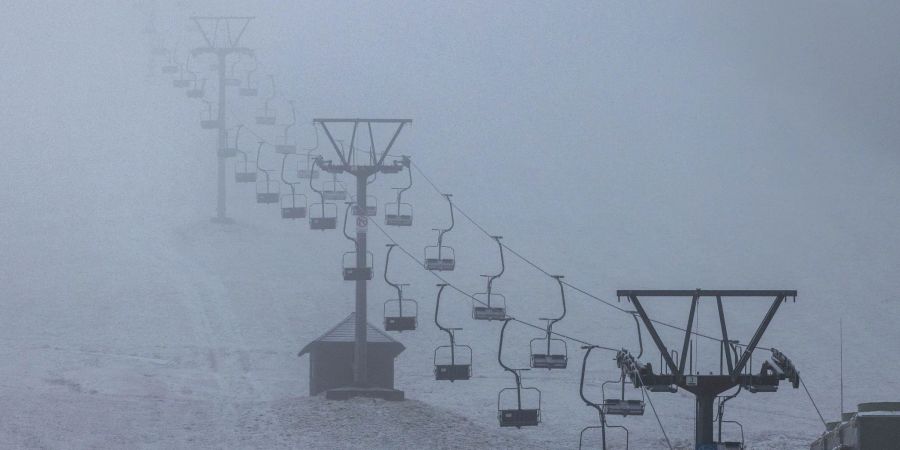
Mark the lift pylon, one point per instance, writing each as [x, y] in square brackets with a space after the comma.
[222, 35]
[706, 387]
[362, 171]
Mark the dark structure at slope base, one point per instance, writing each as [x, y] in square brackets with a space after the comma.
[331, 363]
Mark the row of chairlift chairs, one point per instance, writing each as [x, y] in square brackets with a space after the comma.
[452, 362]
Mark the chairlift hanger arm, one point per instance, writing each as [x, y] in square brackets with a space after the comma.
[500, 356]
[387, 260]
[349, 238]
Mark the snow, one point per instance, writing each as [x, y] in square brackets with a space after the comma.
[131, 321]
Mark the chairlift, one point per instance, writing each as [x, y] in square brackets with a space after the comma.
[622, 406]
[181, 82]
[268, 191]
[230, 80]
[440, 257]
[249, 90]
[293, 205]
[513, 414]
[555, 354]
[198, 90]
[371, 206]
[394, 319]
[307, 171]
[334, 189]
[286, 148]
[491, 305]
[322, 215]
[170, 69]
[229, 150]
[451, 362]
[399, 214]
[601, 410]
[353, 273]
[267, 117]
[719, 419]
[210, 123]
[243, 173]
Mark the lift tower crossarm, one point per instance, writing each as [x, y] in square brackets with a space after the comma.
[706, 387]
[362, 172]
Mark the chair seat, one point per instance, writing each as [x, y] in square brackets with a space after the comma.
[399, 323]
[451, 372]
[519, 417]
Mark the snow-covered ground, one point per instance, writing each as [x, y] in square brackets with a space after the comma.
[132, 321]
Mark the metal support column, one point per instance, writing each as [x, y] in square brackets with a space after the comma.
[360, 356]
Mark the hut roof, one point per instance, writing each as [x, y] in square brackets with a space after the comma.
[345, 331]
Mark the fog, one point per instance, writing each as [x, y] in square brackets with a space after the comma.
[626, 145]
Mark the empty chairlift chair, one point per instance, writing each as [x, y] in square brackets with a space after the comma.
[400, 314]
[248, 89]
[293, 205]
[231, 80]
[490, 305]
[603, 427]
[440, 257]
[399, 214]
[267, 117]
[210, 123]
[334, 190]
[268, 190]
[548, 352]
[322, 215]
[517, 406]
[621, 406]
[231, 149]
[307, 170]
[286, 147]
[451, 362]
[198, 88]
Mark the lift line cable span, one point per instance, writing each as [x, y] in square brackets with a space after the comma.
[545, 272]
[466, 294]
[592, 296]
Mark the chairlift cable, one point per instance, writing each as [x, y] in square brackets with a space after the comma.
[545, 272]
[472, 297]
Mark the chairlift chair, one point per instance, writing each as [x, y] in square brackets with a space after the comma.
[351, 272]
[622, 406]
[231, 150]
[334, 190]
[268, 191]
[210, 123]
[307, 171]
[553, 355]
[490, 305]
[514, 414]
[293, 205]
[440, 257]
[243, 173]
[287, 148]
[394, 317]
[249, 90]
[322, 215]
[601, 410]
[231, 80]
[267, 117]
[399, 214]
[198, 90]
[451, 362]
